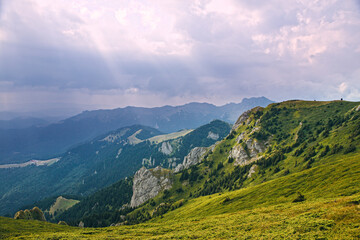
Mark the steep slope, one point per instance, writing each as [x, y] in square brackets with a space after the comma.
[183, 152]
[80, 171]
[266, 144]
[291, 169]
[106, 159]
[102, 208]
[263, 211]
[20, 145]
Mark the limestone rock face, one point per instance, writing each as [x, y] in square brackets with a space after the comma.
[245, 117]
[172, 162]
[114, 137]
[246, 152]
[166, 148]
[239, 154]
[213, 136]
[193, 158]
[252, 170]
[148, 162]
[149, 183]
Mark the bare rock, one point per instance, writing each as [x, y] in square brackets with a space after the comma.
[213, 136]
[149, 183]
[245, 154]
[243, 117]
[240, 155]
[252, 170]
[148, 162]
[194, 157]
[166, 148]
[114, 137]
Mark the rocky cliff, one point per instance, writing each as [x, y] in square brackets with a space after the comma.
[193, 158]
[244, 117]
[148, 183]
[247, 151]
[247, 148]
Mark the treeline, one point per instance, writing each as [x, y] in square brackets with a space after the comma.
[101, 208]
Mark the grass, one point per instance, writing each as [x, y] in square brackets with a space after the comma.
[327, 173]
[264, 207]
[165, 137]
[321, 219]
[262, 211]
[62, 204]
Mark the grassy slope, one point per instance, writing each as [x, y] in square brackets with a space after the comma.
[265, 210]
[287, 121]
[261, 209]
[61, 204]
[170, 136]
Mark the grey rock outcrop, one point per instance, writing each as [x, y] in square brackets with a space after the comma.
[247, 152]
[252, 170]
[172, 162]
[148, 162]
[239, 154]
[245, 117]
[149, 183]
[194, 157]
[114, 137]
[213, 136]
[166, 148]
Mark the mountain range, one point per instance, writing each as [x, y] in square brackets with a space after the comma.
[41, 142]
[100, 162]
[288, 170]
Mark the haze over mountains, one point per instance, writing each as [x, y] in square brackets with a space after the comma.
[41, 142]
[101, 162]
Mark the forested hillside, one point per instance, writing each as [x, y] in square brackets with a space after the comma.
[290, 169]
[106, 159]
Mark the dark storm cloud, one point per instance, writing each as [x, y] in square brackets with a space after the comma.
[37, 66]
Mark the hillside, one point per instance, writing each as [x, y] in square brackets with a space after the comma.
[22, 122]
[276, 142]
[41, 142]
[253, 212]
[290, 169]
[283, 139]
[102, 161]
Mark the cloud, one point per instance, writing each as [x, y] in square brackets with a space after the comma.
[177, 51]
[343, 87]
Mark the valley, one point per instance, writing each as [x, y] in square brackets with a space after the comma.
[100, 162]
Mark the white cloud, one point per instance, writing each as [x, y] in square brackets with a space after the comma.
[194, 50]
[343, 87]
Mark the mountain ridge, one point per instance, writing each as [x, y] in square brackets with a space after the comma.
[107, 158]
[20, 145]
[303, 137]
[303, 184]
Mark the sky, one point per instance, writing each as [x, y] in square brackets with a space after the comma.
[72, 55]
